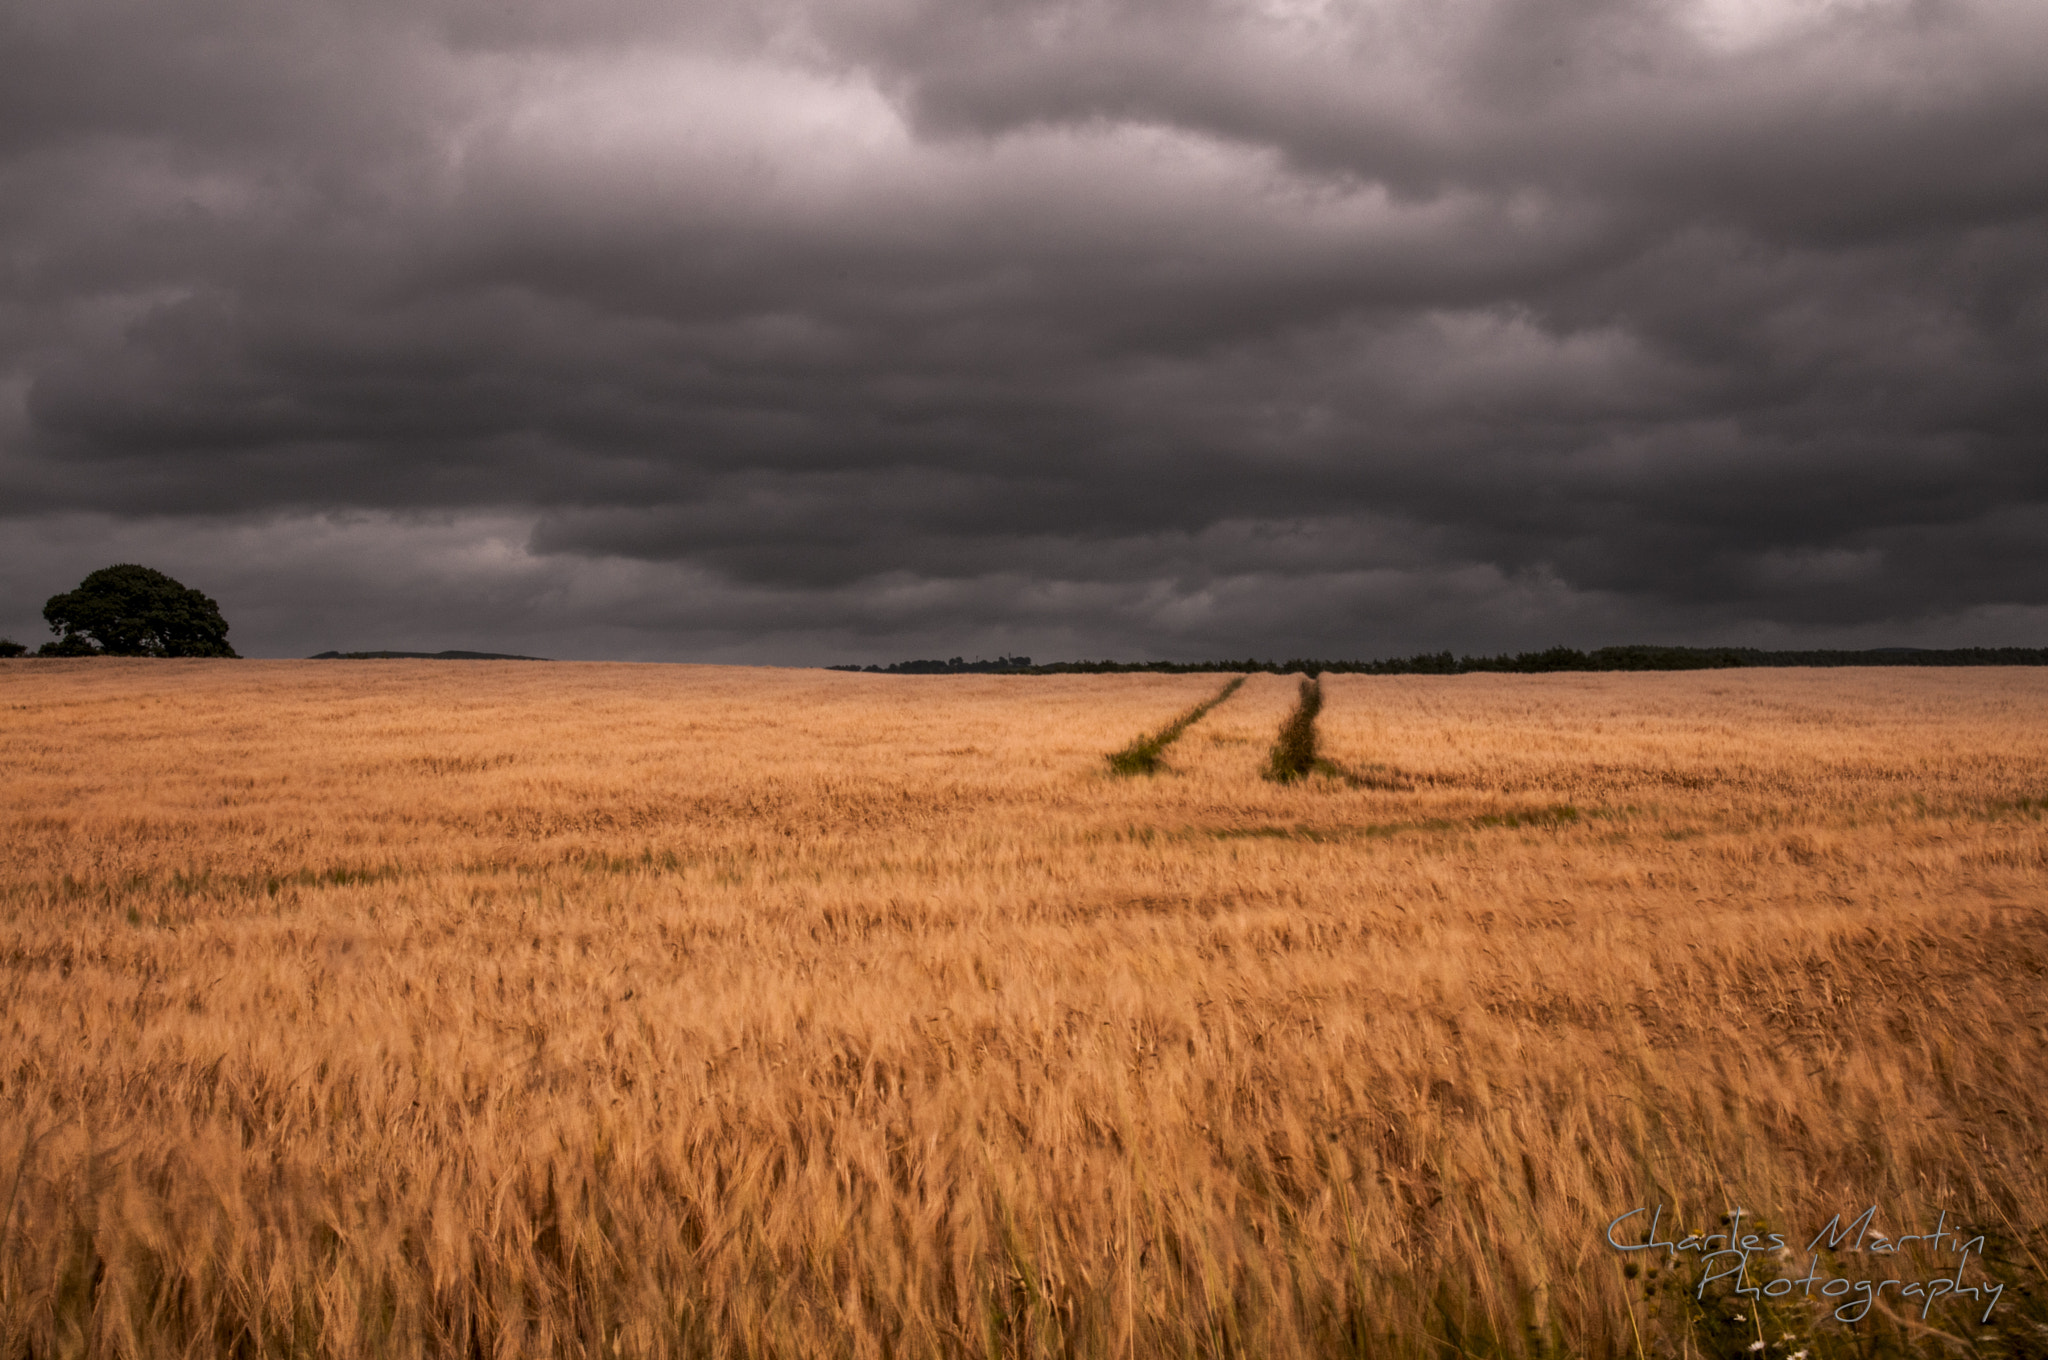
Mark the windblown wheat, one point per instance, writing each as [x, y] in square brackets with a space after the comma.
[426, 1009]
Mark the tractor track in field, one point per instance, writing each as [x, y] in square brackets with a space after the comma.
[1143, 755]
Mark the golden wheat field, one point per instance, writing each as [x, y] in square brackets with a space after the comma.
[476, 1009]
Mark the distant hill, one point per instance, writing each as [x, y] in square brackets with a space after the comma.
[422, 656]
[1630, 658]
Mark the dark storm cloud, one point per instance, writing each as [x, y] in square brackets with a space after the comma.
[818, 329]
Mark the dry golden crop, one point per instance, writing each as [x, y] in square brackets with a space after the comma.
[438, 1009]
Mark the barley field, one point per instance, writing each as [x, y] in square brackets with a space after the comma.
[473, 1009]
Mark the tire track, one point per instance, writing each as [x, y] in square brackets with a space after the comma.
[1142, 756]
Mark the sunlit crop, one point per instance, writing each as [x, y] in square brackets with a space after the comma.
[439, 1009]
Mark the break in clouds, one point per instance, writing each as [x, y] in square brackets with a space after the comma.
[819, 331]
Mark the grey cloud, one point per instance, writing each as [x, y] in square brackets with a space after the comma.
[1298, 326]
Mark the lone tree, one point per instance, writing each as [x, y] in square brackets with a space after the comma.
[128, 610]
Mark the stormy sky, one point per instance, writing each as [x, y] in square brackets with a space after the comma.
[803, 331]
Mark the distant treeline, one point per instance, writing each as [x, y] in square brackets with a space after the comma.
[1633, 658]
[1005, 665]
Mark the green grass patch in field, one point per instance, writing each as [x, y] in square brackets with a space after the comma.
[1143, 755]
[1294, 750]
[1558, 814]
[1546, 818]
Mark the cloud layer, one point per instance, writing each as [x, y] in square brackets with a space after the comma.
[809, 331]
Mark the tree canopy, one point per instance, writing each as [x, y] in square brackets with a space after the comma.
[130, 610]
